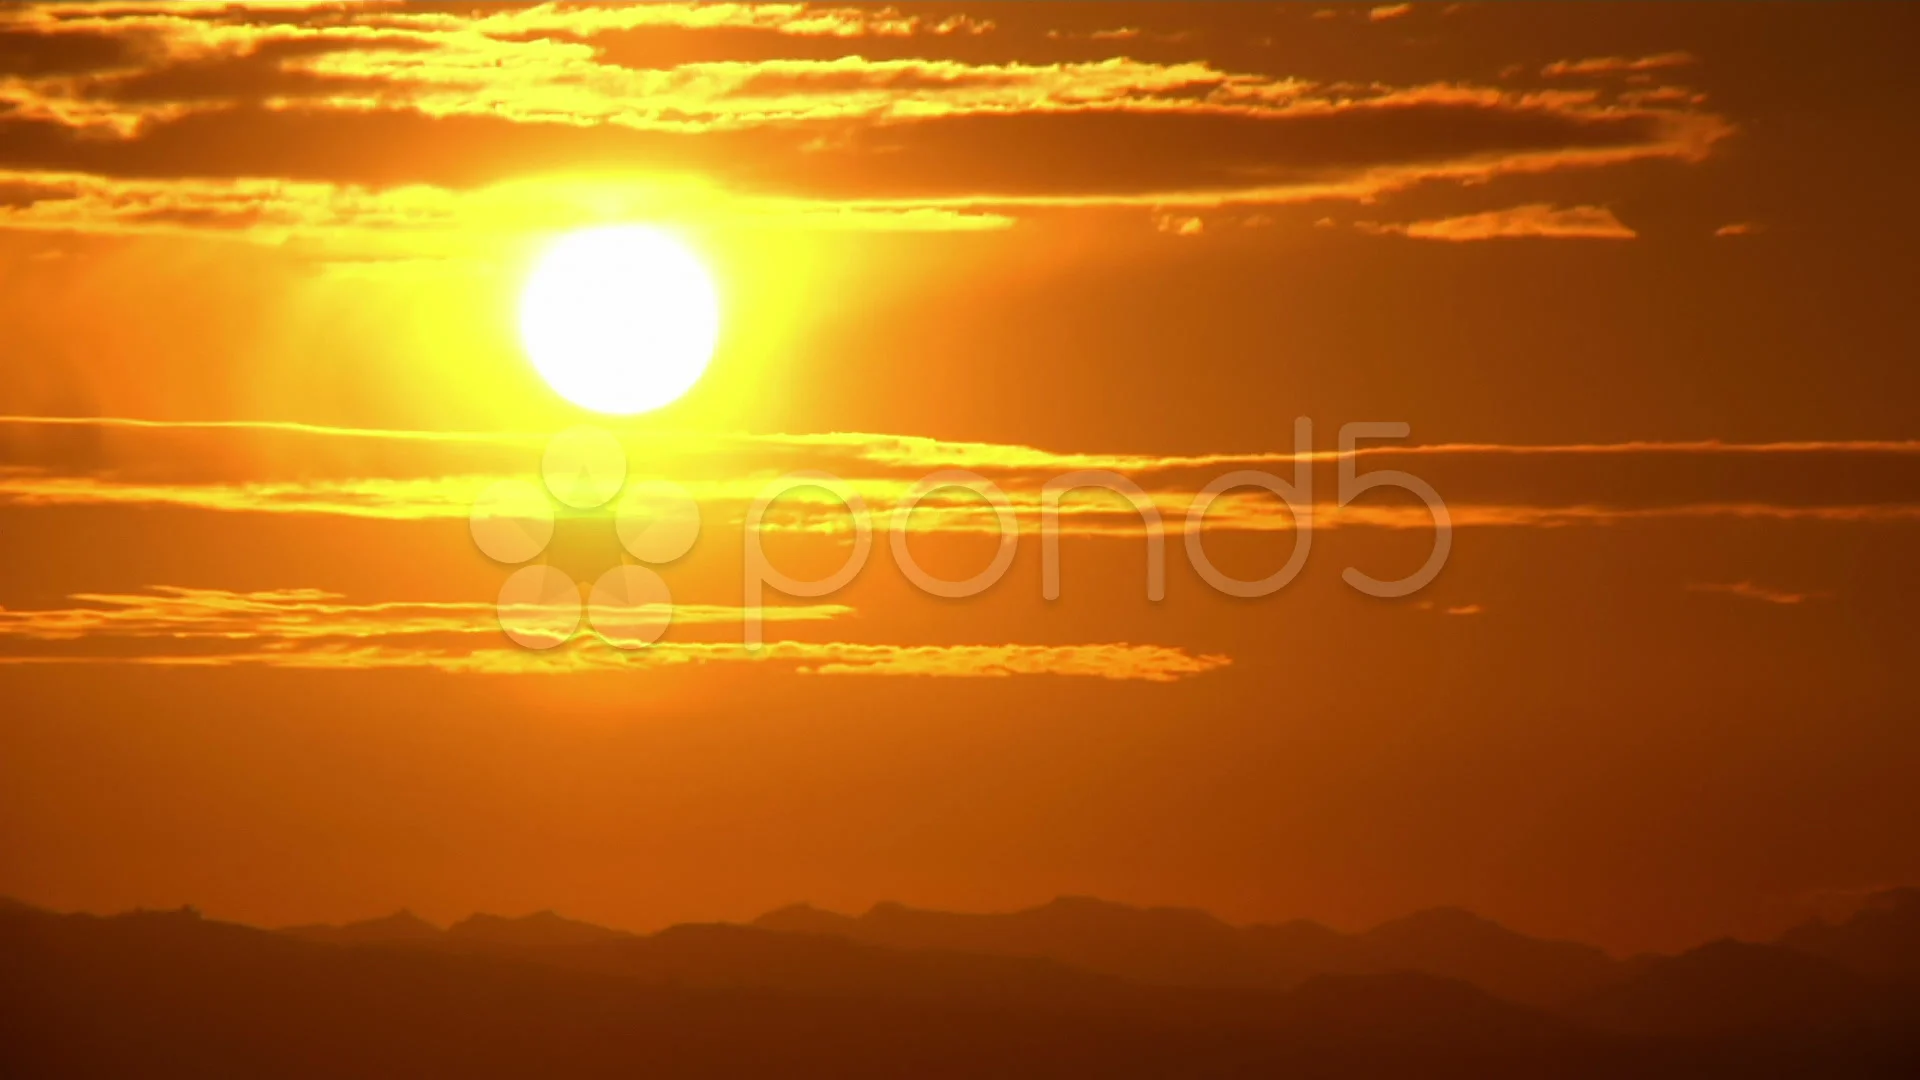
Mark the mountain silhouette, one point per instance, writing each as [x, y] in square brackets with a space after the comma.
[542, 929]
[1882, 938]
[175, 994]
[1410, 1007]
[1183, 947]
[1741, 988]
[400, 926]
[721, 955]
[1171, 946]
[1301, 949]
[1461, 945]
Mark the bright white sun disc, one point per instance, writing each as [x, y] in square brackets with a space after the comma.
[621, 319]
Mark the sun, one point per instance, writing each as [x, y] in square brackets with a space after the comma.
[620, 319]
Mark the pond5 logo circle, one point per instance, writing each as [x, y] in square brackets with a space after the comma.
[584, 468]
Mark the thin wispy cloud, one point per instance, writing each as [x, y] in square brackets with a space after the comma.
[1535, 220]
[919, 451]
[1451, 609]
[1619, 65]
[812, 510]
[302, 122]
[1492, 485]
[1767, 594]
[184, 614]
[307, 629]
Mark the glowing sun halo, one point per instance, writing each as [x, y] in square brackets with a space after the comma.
[620, 319]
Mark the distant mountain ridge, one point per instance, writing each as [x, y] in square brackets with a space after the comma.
[173, 994]
[538, 930]
[400, 926]
[542, 929]
[1737, 988]
[1185, 947]
[1881, 938]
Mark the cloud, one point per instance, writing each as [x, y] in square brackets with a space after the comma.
[178, 613]
[313, 629]
[1455, 609]
[1383, 12]
[1531, 220]
[358, 225]
[878, 131]
[1619, 65]
[414, 499]
[452, 498]
[369, 66]
[1661, 95]
[1737, 228]
[1125, 662]
[921, 450]
[1180, 224]
[239, 467]
[1747, 590]
[1148, 663]
[32, 53]
[365, 121]
[189, 29]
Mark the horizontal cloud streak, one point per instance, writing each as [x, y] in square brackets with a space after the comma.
[145, 463]
[416, 222]
[1539, 220]
[811, 511]
[1120, 662]
[1747, 590]
[180, 613]
[919, 451]
[319, 630]
[372, 128]
[1619, 65]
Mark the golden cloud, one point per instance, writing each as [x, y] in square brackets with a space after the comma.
[1532, 220]
[314, 629]
[1619, 65]
[1491, 485]
[1747, 590]
[301, 120]
[183, 614]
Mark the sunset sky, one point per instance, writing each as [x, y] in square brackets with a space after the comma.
[1639, 278]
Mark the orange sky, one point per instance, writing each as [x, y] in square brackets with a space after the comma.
[1637, 277]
